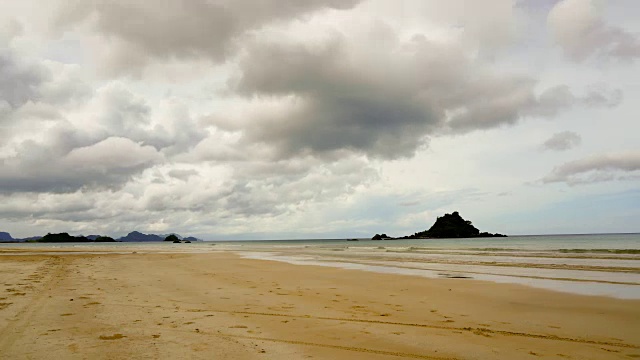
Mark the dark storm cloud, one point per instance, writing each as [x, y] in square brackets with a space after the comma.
[337, 103]
[597, 168]
[493, 102]
[145, 31]
[562, 141]
[382, 103]
[59, 168]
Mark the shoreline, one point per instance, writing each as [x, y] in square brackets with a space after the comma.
[587, 274]
[183, 305]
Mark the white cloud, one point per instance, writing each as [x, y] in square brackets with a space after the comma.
[176, 29]
[597, 168]
[579, 29]
[113, 154]
[562, 141]
[19, 82]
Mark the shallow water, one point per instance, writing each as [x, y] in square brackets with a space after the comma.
[605, 265]
[622, 291]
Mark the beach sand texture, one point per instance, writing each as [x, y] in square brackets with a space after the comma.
[220, 306]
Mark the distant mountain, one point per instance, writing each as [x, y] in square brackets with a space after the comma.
[31, 238]
[136, 236]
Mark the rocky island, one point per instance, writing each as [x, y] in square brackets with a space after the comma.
[65, 238]
[446, 226]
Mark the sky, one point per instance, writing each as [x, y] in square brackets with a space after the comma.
[286, 119]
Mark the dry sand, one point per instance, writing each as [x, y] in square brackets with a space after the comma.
[219, 306]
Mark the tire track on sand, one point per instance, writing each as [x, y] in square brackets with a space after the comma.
[478, 331]
[475, 330]
[56, 267]
[340, 347]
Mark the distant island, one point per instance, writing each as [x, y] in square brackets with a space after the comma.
[134, 236]
[446, 227]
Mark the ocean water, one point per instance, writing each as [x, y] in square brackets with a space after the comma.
[597, 264]
[525, 243]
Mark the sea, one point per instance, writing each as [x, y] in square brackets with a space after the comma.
[591, 264]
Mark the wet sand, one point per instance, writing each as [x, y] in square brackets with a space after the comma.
[589, 274]
[218, 305]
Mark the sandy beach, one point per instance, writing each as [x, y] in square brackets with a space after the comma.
[221, 306]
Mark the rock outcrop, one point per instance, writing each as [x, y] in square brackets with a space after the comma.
[446, 226]
[452, 226]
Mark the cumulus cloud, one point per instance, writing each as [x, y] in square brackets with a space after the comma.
[115, 110]
[597, 168]
[578, 28]
[56, 168]
[104, 142]
[110, 155]
[24, 82]
[333, 101]
[255, 188]
[288, 107]
[33, 92]
[218, 199]
[562, 141]
[178, 29]
[182, 174]
[19, 82]
[85, 138]
[382, 99]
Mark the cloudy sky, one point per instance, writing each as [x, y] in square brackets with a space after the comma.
[245, 119]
